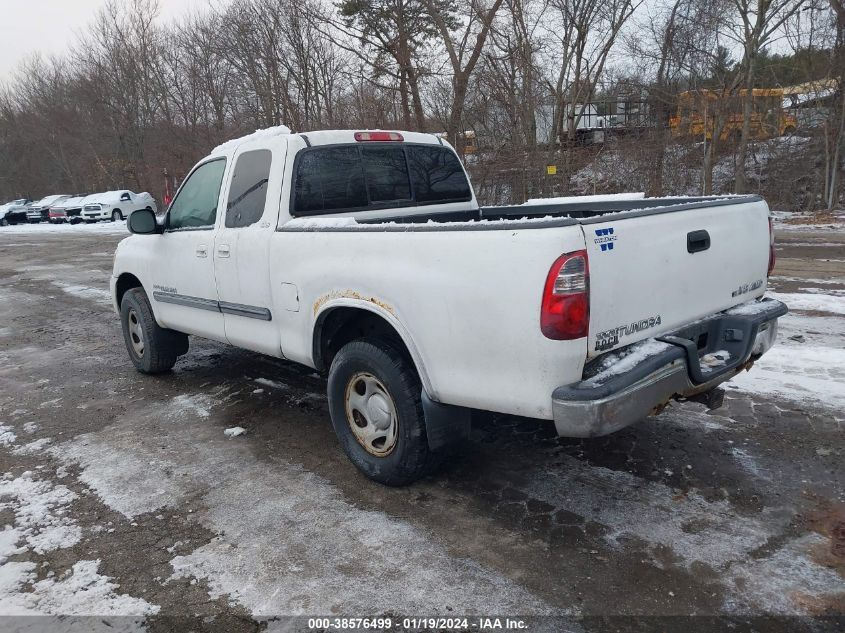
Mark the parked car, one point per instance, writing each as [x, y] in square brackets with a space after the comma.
[14, 212]
[115, 205]
[39, 211]
[67, 210]
[365, 255]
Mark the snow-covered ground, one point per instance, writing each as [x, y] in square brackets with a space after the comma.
[43, 228]
[285, 528]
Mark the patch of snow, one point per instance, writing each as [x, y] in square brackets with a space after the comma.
[610, 197]
[716, 359]
[833, 281]
[833, 292]
[815, 302]
[272, 384]
[617, 363]
[7, 435]
[797, 372]
[315, 223]
[654, 513]
[752, 307]
[748, 463]
[234, 431]
[772, 584]
[118, 228]
[197, 404]
[85, 292]
[80, 592]
[33, 447]
[38, 507]
[270, 132]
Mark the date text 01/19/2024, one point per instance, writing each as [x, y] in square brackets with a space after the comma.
[417, 624]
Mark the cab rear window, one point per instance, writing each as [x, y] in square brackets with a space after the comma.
[367, 176]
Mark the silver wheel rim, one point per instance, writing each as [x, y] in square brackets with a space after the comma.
[136, 333]
[371, 414]
[115, 216]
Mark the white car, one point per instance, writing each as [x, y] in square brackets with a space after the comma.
[115, 205]
[365, 255]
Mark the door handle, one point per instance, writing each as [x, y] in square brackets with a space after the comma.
[698, 241]
[223, 250]
[202, 250]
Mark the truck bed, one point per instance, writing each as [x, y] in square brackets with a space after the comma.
[582, 212]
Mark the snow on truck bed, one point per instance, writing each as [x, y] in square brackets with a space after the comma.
[610, 197]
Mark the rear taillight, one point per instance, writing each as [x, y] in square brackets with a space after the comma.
[771, 248]
[565, 312]
[378, 136]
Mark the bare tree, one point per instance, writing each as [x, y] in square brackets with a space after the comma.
[759, 21]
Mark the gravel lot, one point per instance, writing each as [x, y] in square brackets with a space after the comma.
[123, 497]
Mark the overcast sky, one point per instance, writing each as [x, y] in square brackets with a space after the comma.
[50, 26]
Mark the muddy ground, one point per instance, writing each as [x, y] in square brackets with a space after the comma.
[124, 499]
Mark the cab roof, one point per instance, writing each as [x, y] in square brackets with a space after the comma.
[262, 138]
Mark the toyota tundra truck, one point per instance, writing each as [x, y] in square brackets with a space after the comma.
[365, 255]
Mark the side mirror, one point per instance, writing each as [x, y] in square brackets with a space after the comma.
[143, 222]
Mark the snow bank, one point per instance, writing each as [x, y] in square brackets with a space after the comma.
[228, 146]
[116, 228]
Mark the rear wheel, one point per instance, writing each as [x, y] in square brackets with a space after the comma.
[4, 222]
[375, 399]
[152, 348]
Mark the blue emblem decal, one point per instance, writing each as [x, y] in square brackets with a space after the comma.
[605, 238]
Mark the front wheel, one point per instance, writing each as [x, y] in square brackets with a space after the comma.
[375, 400]
[152, 348]
[4, 222]
[116, 215]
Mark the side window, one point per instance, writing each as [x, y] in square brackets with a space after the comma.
[437, 175]
[328, 179]
[248, 191]
[196, 204]
[124, 197]
[387, 174]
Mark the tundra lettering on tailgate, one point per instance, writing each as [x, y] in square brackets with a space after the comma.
[610, 338]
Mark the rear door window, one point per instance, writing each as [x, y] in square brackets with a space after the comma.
[330, 179]
[437, 175]
[387, 173]
[362, 176]
[248, 191]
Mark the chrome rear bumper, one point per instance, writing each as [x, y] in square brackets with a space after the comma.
[608, 401]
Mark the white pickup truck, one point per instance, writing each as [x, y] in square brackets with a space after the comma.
[365, 256]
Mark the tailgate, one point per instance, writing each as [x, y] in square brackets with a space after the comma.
[655, 270]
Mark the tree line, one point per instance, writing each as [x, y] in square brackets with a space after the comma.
[508, 82]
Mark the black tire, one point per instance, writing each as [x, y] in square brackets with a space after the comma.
[4, 222]
[116, 215]
[410, 457]
[160, 347]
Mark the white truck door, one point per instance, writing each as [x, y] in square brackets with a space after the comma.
[241, 249]
[184, 288]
